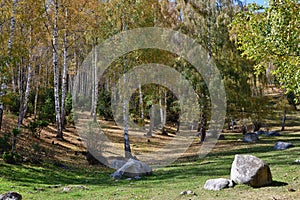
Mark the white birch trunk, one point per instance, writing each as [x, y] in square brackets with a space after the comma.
[95, 87]
[21, 92]
[64, 76]
[165, 110]
[152, 119]
[29, 71]
[10, 41]
[125, 111]
[92, 74]
[37, 79]
[56, 73]
[162, 113]
[141, 103]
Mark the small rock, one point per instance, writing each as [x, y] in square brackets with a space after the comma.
[297, 161]
[273, 133]
[218, 184]
[187, 192]
[11, 196]
[261, 132]
[291, 190]
[128, 179]
[137, 177]
[82, 187]
[282, 145]
[117, 174]
[251, 138]
[221, 137]
[67, 189]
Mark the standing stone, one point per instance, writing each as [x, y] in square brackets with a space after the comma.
[218, 184]
[250, 170]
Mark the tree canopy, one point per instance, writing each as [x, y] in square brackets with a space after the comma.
[270, 36]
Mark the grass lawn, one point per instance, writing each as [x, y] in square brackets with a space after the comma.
[47, 181]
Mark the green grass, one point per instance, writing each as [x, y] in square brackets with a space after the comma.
[47, 181]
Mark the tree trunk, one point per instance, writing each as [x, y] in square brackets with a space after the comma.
[1, 115]
[141, 104]
[152, 119]
[29, 71]
[36, 92]
[21, 92]
[12, 25]
[125, 111]
[64, 76]
[125, 120]
[95, 86]
[202, 125]
[178, 124]
[162, 114]
[10, 41]
[283, 120]
[56, 73]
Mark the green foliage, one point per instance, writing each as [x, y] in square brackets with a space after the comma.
[36, 147]
[272, 36]
[104, 105]
[11, 157]
[46, 105]
[15, 132]
[12, 101]
[36, 127]
[68, 103]
[35, 156]
[5, 143]
[71, 118]
[292, 99]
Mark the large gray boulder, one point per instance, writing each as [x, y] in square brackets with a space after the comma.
[132, 168]
[218, 184]
[117, 164]
[282, 145]
[250, 137]
[11, 196]
[250, 170]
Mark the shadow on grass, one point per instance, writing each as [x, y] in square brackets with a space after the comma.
[278, 184]
[51, 175]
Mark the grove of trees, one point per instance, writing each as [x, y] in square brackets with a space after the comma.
[43, 42]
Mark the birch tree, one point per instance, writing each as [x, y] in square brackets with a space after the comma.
[56, 71]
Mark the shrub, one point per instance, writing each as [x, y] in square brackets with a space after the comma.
[11, 157]
[104, 105]
[47, 111]
[68, 104]
[46, 106]
[36, 127]
[5, 143]
[70, 119]
[12, 101]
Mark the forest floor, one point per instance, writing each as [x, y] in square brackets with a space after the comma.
[64, 173]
